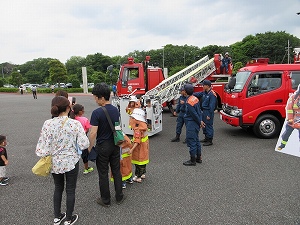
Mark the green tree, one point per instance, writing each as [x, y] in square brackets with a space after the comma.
[2, 82]
[39, 67]
[74, 80]
[33, 76]
[74, 66]
[98, 62]
[58, 71]
[237, 66]
[16, 78]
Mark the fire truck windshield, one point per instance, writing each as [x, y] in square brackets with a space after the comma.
[241, 78]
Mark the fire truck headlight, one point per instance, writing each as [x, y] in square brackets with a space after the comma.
[236, 112]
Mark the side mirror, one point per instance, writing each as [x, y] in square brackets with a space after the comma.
[231, 83]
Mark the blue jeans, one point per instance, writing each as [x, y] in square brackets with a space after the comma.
[109, 153]
[287, 133]
[59, 181]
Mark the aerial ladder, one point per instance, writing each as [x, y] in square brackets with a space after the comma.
[166, 91]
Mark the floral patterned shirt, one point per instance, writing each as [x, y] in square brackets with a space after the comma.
[58, 138]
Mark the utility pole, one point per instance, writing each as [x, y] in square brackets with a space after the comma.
[163, 57]
[288, 51]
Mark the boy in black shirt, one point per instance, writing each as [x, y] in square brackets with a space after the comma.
[3, 161]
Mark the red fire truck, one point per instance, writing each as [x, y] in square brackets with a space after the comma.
[139, 78]
[256, 97]
[148, 82]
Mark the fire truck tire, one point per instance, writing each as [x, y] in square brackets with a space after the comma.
[267, 126]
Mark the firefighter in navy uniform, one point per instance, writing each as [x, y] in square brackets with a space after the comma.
[292, 116]
[179, 112]
[193, 122]
[208, 105]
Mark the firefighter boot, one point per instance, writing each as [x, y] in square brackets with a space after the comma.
[175, 139]
[204, 140]
[208, 142]
[199, 159]
[191, 162]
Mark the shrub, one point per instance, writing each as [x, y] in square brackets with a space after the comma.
[11, 90]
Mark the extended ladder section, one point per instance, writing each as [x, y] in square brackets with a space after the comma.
[168, 89]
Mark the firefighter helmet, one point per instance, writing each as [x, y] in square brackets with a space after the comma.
[138, 114]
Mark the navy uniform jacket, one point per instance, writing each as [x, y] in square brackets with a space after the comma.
[193, 111]
[208, 101]
[180, 108]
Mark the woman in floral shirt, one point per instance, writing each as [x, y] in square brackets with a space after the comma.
[58, 138]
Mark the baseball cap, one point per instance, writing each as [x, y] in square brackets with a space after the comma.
[181, 88]
[189, 89]
[206, 82]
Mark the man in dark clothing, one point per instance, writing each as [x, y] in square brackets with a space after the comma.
[108, 152]
[208, 104]
[225, 63]
[193, 122]
[180, 111]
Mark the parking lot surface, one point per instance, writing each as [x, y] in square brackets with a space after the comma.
[242, 180]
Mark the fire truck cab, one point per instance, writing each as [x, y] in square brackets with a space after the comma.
[138, 77]
[256, 97]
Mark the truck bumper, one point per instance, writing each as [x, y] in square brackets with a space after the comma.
[232, 120]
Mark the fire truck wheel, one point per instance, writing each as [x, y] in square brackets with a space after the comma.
[266, 126]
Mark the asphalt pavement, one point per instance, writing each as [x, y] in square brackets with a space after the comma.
[242, 180]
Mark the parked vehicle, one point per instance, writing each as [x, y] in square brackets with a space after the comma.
[60, 85]
[8, 86]
[256, 97]
[141, 77]
[148, 82]
[69, 85]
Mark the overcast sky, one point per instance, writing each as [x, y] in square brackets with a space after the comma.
[63, 28]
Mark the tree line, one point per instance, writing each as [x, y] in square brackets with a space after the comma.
[272, 45]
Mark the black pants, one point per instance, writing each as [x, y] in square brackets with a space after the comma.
[34, 94]
[59, 181]
[109, 154]
[85, 155]
[140, 170]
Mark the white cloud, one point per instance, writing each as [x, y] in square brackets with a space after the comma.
[61, 29]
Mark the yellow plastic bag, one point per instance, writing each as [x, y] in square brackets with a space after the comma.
[43, 166]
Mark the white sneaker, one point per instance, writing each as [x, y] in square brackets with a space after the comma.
[134, 178]
[143, 176]
[57, 221]
[72, 221]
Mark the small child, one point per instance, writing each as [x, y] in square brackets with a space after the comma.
[140, 148]
[3, 161]
[78, 112]
[149, 113]
[125, 163]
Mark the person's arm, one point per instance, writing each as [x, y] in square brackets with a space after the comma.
[92, 136]
[198, 94]
[4, 159]
[212, 104]
[133, 147]
[43, 146]
[194, 114]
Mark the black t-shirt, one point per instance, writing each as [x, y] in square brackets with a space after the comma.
[99, 119]
[2, 152]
